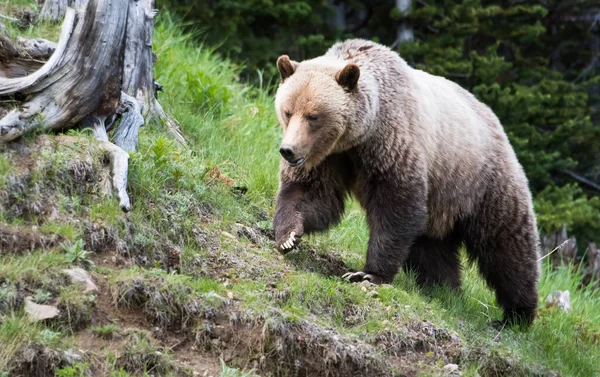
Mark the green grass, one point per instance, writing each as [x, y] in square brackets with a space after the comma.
[16, 333]
[106, 331]
[31, 267]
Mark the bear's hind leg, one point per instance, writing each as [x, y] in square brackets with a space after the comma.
[505, 246]
[435, 261]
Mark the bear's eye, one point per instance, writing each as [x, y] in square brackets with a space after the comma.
[312, 117]
[288, 114]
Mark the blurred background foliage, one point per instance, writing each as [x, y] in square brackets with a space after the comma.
[535, 63]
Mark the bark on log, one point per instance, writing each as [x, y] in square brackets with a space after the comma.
[138, 79]
[126, 135]
[54, 10]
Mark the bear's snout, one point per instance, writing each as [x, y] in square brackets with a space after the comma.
[290, 156]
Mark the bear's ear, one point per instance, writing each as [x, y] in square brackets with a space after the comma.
[286, 67]
[348, 76]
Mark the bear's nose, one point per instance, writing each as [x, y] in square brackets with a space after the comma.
[287, 152]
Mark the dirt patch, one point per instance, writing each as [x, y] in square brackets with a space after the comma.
[281, 347]
[327, 264]
[418, 343]
[37, 361]
[494, 364]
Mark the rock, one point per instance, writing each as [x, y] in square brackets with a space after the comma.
[81, 276]
[451, 370]
[373, 294]
[36, 312]
[250, 233]
[560, 300]
[228, 235]
[70, 357]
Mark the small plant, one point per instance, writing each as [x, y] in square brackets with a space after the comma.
[10, 298]
[42, 296]
[48, 336]
[106, 331]
[76, 254]
[234, 372]
[75, 370]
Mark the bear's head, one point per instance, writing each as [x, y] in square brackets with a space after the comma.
[315, 103]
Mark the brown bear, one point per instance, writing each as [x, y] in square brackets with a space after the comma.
[429, 163]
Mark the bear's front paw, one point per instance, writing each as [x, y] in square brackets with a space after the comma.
[357, 277]
[289, 244]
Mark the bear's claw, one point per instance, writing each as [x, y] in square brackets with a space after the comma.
[356, 277]
[291, 242]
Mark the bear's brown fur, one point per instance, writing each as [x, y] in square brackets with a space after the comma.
[429, 163]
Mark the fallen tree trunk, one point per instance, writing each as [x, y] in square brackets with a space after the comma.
[101, 69]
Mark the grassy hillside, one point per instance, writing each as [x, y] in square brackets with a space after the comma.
[233, 303]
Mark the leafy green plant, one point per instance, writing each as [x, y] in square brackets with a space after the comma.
[76, 254]
[42, 296]
[48, 336]
[75, 370]
[234, 372]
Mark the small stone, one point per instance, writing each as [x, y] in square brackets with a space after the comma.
[81, 276]
[560, 300]
[113, 259]
[451, 370]
[363, 288]
[70, 357]
[36, 312]
[373, 294]
[230, 295]
[228, 235]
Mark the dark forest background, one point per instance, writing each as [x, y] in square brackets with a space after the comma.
[535, 63]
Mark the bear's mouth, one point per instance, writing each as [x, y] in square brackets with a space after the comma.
[298, 162]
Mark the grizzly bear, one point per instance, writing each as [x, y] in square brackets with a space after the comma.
[430, 164]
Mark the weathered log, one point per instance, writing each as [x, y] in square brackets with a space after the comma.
[75, 88]
[119, 167]
[24, 57]
[138, 79]
[53, 10]
[562, 247]
[593, 258]
[37, 48]
[101, 69]
[126, 135]
[14, 85]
